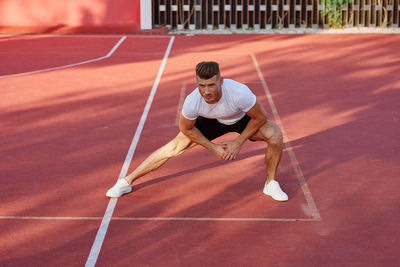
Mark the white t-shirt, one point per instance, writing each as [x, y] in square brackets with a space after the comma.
[235, 101]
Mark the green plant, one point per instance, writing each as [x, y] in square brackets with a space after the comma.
[333, 9]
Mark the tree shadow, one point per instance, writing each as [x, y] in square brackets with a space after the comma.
[60, 150]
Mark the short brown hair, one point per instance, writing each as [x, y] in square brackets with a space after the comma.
[207, 69]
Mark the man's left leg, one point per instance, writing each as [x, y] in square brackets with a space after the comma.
[271, 134]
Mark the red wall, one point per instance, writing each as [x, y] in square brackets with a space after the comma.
[59, 15]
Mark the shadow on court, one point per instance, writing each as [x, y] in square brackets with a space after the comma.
[66, 135]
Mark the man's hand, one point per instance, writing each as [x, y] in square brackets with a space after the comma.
[232, 149]
[227, 150]
[219, 150]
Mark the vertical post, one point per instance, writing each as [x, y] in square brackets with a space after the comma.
[263, 14]
[239, 13]
[374, 15]
[145, 15]
[250, 13]
[228, 13]
[209, 18]
[174, 14]
[356, 13]
[221, 15]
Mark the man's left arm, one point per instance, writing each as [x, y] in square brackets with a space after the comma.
[258, 118]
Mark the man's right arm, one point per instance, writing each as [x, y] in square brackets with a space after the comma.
[186, 126]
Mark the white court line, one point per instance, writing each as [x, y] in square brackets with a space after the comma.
[295, 164]
[69, 65]
[101, 233]
[292, 156]
[47, 218]
[85, 36]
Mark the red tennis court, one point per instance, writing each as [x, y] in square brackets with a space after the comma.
[79, 111]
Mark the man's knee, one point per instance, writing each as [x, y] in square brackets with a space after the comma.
[277, 137]
[178, 145]
[274, 135]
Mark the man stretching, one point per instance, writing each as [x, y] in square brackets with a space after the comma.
[216, 107]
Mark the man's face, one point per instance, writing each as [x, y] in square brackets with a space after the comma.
[210, 89]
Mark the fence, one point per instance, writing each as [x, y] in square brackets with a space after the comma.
[270, 14]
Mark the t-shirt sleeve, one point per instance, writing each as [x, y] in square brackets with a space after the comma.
[188, 110]
[246, 99]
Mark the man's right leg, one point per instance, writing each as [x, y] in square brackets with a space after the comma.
[175, 147]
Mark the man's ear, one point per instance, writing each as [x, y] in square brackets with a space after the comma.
[221, 80]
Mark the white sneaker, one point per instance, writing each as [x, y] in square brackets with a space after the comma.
[120, 188]
[274, 190]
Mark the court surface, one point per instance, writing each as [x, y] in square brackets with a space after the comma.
[79, 111]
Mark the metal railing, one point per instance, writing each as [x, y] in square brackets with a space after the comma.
[270, 14]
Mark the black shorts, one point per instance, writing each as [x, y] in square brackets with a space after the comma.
[212, 128]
